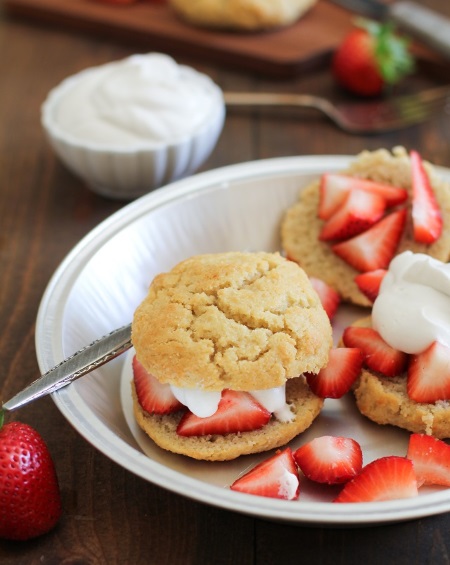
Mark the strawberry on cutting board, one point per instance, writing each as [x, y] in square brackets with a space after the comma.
[30, 501]
[371, 57]
[275, 477]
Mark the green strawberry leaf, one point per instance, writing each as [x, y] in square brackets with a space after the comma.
[391, 51]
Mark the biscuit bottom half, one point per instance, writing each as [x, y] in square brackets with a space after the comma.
[385, 401]
[305, 407]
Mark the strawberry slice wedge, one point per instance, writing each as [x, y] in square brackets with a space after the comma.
[335, 187]
[374, 248]
[387, 478]
[153, 396]
[275, 477]
[330, 459]
[426, 214]
[336, 379]
[431, 458]
[359, 211]
[429, 374]
[329, 297]
[369, 283]
[378, 355]
[237, 412]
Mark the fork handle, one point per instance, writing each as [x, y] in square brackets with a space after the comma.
[431, 27]
[278, 99]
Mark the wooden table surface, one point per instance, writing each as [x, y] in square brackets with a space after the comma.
[111, 516]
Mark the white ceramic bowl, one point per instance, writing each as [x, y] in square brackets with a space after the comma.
[136, 168]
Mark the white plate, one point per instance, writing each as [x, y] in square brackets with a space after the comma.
[102, 280]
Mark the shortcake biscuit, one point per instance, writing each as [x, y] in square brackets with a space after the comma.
[239, 321]
[243, 321]
[385, 400]
[301, 225]
[245, 15]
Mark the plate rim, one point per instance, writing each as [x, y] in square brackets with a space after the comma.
[49, 351]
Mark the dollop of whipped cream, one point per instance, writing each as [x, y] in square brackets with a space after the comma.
[204, 403]
[143, 98]
[412, 309]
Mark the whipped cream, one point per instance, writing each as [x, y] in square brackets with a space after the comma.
[141, 99]
[204, 403]
[412, 309]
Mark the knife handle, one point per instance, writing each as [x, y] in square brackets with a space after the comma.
[425, 24]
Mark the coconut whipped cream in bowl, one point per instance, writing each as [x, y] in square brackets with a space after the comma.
[133, 125]
[412, 309]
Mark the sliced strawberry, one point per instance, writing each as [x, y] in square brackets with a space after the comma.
[335, 187]
[369, 283]
[429, 374]
[374, 248]
[335, 380]
[426, 214]
[431, 458]
[237, 412]
[275, 477]
[153, 396]
[378, 355]
[359, 211]
[387, 478]
[329, 297]
[330, 459]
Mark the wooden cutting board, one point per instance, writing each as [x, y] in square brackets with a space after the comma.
[281, 53]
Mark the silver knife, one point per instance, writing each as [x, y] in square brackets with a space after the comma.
[425, 24]
[80, 363]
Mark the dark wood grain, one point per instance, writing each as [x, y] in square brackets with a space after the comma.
[110, 516]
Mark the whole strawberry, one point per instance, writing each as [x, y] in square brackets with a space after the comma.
[30, 501]
[371, 57]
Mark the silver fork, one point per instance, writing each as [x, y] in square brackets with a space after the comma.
[357, 118]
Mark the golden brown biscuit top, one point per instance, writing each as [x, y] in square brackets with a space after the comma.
[245, 321]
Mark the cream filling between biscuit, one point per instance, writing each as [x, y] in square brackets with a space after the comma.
[204, 403]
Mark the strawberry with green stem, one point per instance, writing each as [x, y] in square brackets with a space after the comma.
[371, 57]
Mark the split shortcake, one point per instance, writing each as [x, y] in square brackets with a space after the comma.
[222, 342]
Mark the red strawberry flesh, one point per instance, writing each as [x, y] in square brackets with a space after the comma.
[426, 214]
[359, 211]
[329, 297]
[374, 248]
[335, 187]
[154, 397]
[429, 374]
[275, 477]
[387, 478]
[336, 379]
[237, 412]
[378, 355]
[330, 459]
[431, 458]
[369, 283]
